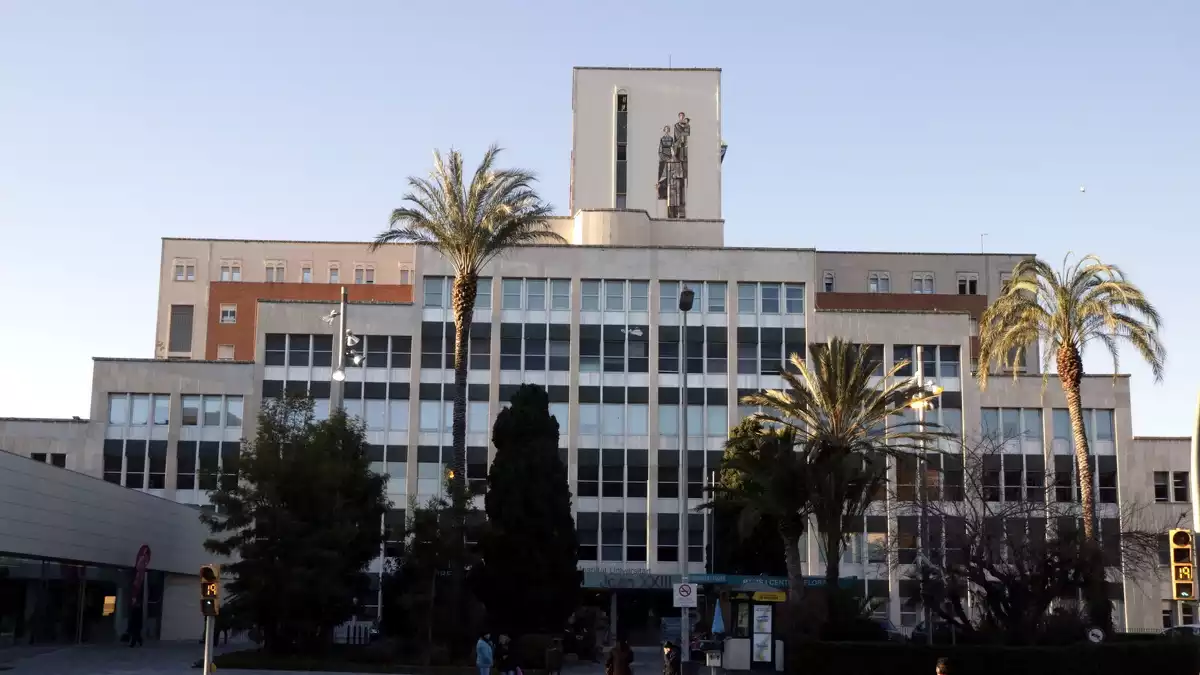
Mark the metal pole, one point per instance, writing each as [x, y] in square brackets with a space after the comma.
[337, 395]
[685, 613]
[207, 645]
[923, 464]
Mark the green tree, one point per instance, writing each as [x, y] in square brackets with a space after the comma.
[844, 424]
[529, 578]
[1062, 312]
[738, 550]
[765, 478]
[301, 521]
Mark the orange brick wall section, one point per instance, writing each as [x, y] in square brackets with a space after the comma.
[912, 302]
[245, 296]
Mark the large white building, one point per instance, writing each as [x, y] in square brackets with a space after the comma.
[596, 322]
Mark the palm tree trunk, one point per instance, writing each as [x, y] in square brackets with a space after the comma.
[1070, 375]
[791, 556]
[465, 284]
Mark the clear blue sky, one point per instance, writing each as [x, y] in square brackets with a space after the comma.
[852, 125]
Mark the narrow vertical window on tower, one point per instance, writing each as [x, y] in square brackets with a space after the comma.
[622, 175]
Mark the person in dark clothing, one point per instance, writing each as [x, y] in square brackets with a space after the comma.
[943, 666]
[671, 659]
[506, 663]
[620, 660]
[135, 626]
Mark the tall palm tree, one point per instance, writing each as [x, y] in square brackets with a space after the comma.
[470, 225]
[1063, 311]
[838, 414]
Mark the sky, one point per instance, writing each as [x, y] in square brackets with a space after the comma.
[871, 125]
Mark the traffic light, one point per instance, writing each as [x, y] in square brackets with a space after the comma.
[1183, 565]
[210, 590]
[353, 356]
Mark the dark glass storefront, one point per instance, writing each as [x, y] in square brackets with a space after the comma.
[48, 602]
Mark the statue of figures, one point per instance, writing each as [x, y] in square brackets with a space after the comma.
[666, 152]
[672, 166]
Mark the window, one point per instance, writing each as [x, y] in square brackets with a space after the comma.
[1179, 484]
[639, 296]
[162, 409]
[1162, 486]
[511, 291]
[668, 297]
[139, 410]
[1168, 613]
[769, 298]
[430, 415]
[477, 417]
[589, 418]
[879, 282]
[231, 271]
[968, 283]
[335, 274]
[747, 298]
[118, 409]
[276, 271]
[212, 411]
[590, 295]
[614, 295]
[560, 294]
[621, 169]
[435, 291]
[1103, 425]
[306, 276]
[233, 411]
[190, 407]
[179, 333]
[225, 352]
[406, 275]
[715, 293]
[364, 274]
[922, 283]
[827, 282]
[185, 270]
[228, 313]
[535, 294]
[612, 419]
[794, 298]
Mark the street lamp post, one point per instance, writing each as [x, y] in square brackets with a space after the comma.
[337, 394]
[920, 404]
[686, 297]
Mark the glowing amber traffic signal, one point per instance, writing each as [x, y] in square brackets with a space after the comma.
[210, 590]
[1183, 565]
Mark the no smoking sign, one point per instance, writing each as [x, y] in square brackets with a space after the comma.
[685, 595]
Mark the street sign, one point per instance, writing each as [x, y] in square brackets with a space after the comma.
[685, 595]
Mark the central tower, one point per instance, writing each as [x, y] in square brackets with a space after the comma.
[647, 139]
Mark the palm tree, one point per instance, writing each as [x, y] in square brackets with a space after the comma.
[1063, 311]
[470, 225]
[763, 478]
[839, 417]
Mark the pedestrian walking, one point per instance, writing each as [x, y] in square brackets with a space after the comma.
[620, 659]
[484, 654]
[671, 658]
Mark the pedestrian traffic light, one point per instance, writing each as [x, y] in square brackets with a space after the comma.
[1183, 565]
[210, 590]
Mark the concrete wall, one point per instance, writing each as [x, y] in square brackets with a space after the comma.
[637, 228]
[391, 264]
[656, 97]
[50, 436]
[50, 512]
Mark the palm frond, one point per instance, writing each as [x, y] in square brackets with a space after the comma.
[1085, 301]
[472, 223]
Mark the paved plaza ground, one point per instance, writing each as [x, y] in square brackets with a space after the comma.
[176, 658]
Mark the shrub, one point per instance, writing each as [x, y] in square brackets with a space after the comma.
[1121, 658]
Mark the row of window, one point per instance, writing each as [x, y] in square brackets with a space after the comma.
[58, 459]
[206, 410]
[1008, 424]
[1171, 486]
[276, 271]
[922, 282]
[619, 295]
[617, 537]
